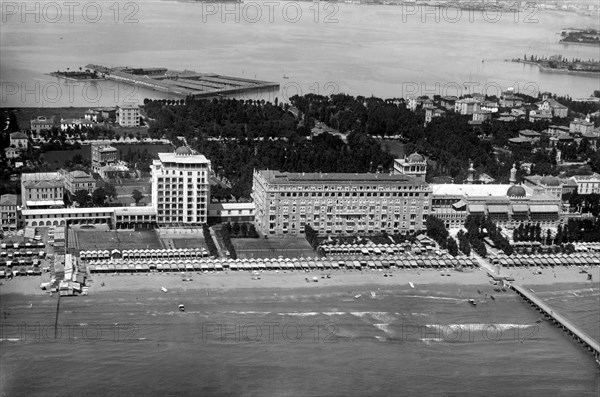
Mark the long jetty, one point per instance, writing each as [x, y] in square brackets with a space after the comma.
[571, 329]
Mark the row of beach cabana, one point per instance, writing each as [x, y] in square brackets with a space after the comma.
[20, 271]
[17, 246]
[368, 249]
[16, 254]
[550, 260]
[144, 254]
[349, 262]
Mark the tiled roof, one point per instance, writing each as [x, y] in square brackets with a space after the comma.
[8, 199]
[18, 135]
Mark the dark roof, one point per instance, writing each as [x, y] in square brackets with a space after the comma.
[415, 158]
[183, 151]
[516, 191]
[550, 181]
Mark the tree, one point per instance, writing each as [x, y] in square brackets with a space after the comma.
[98, 196]
[110, 190]
[82, 197]
[137, 196]
[436, 229]
[452, 246]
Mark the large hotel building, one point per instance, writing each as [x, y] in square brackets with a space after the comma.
[180, 188]
[338, 203]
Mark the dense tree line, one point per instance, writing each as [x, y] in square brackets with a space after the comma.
[239, 136]
[210, 243]
[578, 230]
[529, 232]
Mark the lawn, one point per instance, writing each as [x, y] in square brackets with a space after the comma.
[189, 242]
[90, 239]
[58, 157]
[394, 147]
[288, 247]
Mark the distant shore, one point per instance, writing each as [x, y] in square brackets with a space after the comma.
[560, 71]
[173, 282]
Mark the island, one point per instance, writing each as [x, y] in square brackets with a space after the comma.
[580, 36]
[80, 74]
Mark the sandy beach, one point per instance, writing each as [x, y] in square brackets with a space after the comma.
[106, 283]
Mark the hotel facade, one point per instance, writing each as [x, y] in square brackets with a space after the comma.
[180, 188]
[338, 203]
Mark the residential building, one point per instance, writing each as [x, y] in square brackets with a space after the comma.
[73, 124]
[431, 113]
[12, 153]
[42, 124]
[8, 212]
[555, 130]
[77, 180]
[490, 106]
[509, 100]
[480, 116]
[180, 187]
[128, 116]
[93, 115]
[42, 190]
[532, 136]
[448, 102]
[414, 166]
[467, 106]
[551, 107]
[102, 154]
[19, 140]
[338, 203]
[587, 184]
[579, 126]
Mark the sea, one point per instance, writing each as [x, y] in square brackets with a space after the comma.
[320, 341]
[307, 47]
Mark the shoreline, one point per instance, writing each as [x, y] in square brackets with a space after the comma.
[270, 280]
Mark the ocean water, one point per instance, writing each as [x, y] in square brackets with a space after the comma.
[304, 342]
[321, 48]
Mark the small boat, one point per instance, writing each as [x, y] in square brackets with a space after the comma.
[373, 294]
[411, 284]
[163, 289]
[181, 308]
[472, 301]
[357, 296]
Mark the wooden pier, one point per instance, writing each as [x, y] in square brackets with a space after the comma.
[571, 329]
